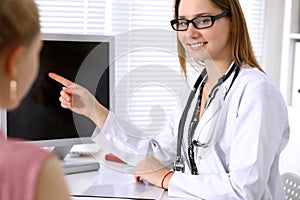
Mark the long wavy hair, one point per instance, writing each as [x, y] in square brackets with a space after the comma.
[241, 46]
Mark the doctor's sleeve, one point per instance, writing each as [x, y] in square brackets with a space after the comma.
[132, 145]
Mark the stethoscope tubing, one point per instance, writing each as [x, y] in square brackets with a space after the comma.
[178, 164]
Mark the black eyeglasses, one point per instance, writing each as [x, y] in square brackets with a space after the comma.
[199, 22]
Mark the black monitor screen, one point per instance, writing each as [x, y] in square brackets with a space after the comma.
[40, 116]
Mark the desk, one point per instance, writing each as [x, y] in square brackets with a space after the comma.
[80, 182]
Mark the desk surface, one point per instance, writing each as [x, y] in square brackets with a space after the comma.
[80, 182]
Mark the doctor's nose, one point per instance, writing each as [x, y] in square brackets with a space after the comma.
[192, 32]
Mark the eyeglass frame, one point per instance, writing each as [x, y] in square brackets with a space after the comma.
[213, 19]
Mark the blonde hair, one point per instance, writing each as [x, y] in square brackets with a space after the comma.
[19, 23]
[242, 50]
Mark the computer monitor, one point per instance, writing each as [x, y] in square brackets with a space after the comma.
[84, 59]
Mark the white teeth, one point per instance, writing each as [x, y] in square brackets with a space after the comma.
[200, 44]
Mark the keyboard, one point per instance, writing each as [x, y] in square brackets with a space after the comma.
[72, 167]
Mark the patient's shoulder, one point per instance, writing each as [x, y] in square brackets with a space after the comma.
[20, 165]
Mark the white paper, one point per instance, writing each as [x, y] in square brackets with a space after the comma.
[123, 185]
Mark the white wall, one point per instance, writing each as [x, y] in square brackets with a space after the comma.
[273, 39]
[290, 158]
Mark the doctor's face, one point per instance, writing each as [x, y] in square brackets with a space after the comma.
[208, 43]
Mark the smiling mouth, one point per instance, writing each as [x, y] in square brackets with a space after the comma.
[197, 45]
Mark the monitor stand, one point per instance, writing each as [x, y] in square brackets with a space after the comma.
[62, 151]
[72, 166]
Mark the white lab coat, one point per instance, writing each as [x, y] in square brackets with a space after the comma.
[244, 161]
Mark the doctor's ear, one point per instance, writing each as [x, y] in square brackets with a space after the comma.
[12, 59]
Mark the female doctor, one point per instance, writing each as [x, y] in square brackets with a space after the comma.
[227, 138]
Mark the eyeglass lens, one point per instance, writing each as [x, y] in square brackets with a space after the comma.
[199, 22]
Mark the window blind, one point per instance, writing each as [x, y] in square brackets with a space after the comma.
[152, 59]
[254, 12]
[147, 75]
[72, 16]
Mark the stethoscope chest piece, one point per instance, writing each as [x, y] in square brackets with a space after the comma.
[178, 165]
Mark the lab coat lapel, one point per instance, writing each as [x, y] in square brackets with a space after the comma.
[210, 113]
[211, 124]
[215, 106]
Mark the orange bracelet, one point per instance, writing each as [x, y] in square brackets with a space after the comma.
[163, 179]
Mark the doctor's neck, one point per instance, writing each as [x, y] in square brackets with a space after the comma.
[216, 69]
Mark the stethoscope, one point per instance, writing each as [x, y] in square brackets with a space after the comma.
[178, 163]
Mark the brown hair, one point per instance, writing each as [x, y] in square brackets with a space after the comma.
[241, 45]
[19, 23]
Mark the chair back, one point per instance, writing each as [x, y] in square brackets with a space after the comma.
[291, 184]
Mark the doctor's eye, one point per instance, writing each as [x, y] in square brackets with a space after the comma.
[202, 22]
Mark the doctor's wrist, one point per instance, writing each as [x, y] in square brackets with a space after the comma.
[166, 179]
[100, 116]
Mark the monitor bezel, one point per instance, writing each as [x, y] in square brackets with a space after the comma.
[63, 142]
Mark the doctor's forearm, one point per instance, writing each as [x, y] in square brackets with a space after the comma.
[99, 115]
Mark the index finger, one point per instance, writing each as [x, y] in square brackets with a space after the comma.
[61, 79]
